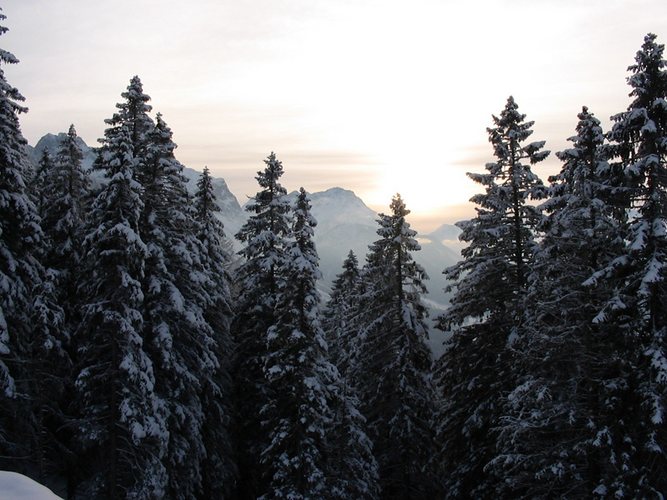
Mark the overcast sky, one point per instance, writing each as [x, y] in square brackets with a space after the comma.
[373, 96]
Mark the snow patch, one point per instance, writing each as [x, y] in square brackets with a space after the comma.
[14, 486]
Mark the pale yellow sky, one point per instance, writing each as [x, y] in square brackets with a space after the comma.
[374, 96]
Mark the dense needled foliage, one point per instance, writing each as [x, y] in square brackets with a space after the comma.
[568, 369]
[260, 279]
[639, 145]
[486, 310]
[393, 371]
[123, 429]
[31, 336]
[219, 468]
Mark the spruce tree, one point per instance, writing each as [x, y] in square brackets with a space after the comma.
[260, 279]
[65, 197]
[31, 342]
[63, 191]
[393, 372]
[133, 112]
[177, 337]
[122, 425]
[296, 414]
[639, 144]
[338, 320]
[20, 233]
[354, 467]
[66, 190]
[219, 468]
[569, 369]
[38, 185]
[486, 311]
[317, 447]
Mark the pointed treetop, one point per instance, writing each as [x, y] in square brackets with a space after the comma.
[583, 163]
[351, 260]
[302, 213]
[204, 199]
[398, 207]
[271, 173]
[69, 150]
[649, 78]
[510, 118]
[510, 130]
[586, 144]
[161, 124]
[511, 110]
[589, 129]
[164, 135]
[135, 93]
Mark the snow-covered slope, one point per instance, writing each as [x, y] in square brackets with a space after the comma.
[14, 486]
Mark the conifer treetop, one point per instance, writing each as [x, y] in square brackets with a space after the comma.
[647, 71]
[205, 196]
[268, 178]
[133, 114]
[584, 161]
[135, 94]
[510, 130]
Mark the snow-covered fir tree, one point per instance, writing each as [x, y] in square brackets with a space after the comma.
[486, 310]
[21, 234]
[338, 315]
[65, 195]
[639, 305]
[352, 468]
[219, 467]
[63, 190]
[296, 414]
[37, 187]
[259, 280]
[306, 403]
[393, 370]
[569, 369]
[177, 337]
[133, 113]
[339, 321]
[122, 421]
[501, 239]
[31, 342]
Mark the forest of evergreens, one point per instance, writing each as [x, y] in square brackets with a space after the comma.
[140, 359]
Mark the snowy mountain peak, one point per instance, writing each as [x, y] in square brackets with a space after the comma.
[338, 196]
[51, 143]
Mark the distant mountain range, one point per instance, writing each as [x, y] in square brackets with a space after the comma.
[344, 223]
